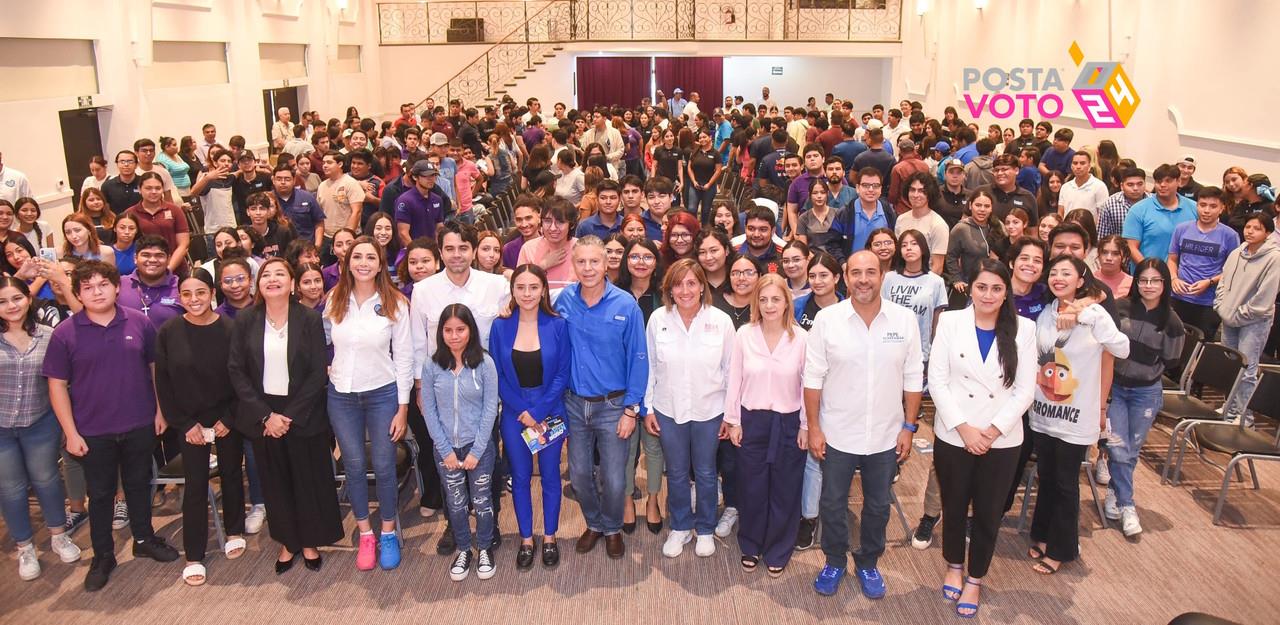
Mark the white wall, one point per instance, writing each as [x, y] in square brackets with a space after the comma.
[865, 81]
[1204, 70]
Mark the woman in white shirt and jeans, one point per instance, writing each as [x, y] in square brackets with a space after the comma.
[689, 346]
[370, 381]
[983, 369]
[1066, 416]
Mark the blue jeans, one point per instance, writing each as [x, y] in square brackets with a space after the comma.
[700, 202]
[355, 416]
[690, 448]
[460, 486]
[521, 462]
[837, 476]
[593, 426]
[1249, 340]
[29, 459]
[1132, 411]
[811, 489]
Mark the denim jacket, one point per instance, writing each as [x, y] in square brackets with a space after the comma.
[460, 409]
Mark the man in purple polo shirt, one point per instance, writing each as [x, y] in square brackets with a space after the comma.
[420, 209]
[109, 415]
[798, 192]
[151, 289]
[528, 216]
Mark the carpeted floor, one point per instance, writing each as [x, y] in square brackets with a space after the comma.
[1181, 563]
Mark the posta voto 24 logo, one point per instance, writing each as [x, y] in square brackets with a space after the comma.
[1103, 90]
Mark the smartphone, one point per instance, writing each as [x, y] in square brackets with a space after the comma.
[49, 254]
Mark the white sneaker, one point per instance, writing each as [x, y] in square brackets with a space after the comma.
[705, 546]
[1129, 521]
[253, 520]
[1109, 507]
[727, 521]
[675, 543]
[426, 513]
[120, 516]
[28, 563]
[62, 545]
[1101, 471]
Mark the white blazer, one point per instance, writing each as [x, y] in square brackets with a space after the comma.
[967, 389]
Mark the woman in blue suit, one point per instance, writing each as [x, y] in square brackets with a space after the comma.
[530, 346]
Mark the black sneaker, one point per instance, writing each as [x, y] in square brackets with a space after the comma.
[99, 572]
[156, 549]
[807, 535]
[75, 520]
[924, 532]
[461, 566]
[446, 545]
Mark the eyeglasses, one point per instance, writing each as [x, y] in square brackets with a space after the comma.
[1150, 281]
[870, 185]
[229, 280]
[126, 161]
[642, 258]
[743, 273]
[682, 236]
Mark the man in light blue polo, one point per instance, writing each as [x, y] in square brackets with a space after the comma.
[1148, 227]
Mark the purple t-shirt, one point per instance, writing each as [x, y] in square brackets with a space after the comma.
[533, 135]
[422, 213]
[1201, 255]
[108, 370]
[798, 192]
[159, 303]
[511, 252]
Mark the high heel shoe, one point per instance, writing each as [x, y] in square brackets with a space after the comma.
[951, 593]
[283, 566]
[968, 581]
[313, 564]
[655, 527]
[629, 528]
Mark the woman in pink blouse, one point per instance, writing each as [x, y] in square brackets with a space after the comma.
[553, 251]
[763, 408]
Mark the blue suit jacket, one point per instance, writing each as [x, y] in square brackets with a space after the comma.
[553, 339]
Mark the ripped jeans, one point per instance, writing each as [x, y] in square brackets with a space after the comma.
[458, 485]
[1132, 411]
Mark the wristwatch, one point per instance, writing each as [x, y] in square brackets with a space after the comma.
[910, 427]
[632, 411]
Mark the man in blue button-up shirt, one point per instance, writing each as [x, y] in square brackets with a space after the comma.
[606, 384]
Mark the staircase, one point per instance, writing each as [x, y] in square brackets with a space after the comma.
[500, 68]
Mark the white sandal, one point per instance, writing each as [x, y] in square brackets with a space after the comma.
[235, 548]
[194, 574]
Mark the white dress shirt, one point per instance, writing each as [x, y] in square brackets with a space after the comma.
[689, 367]
[370, 350]
[968, 389]
[486, 294]
[862, 372]
[275, 359]
[1090, 196]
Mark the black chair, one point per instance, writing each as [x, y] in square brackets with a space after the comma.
[1241, 443]
[1216, 366]
[1190, 348]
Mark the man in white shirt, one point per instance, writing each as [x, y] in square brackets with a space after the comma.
[13, 183]
[1084, 190]
[282, 130]
[863, 377]
[210, 134]
[485, 294]
[691, 109]
[602, 132]
[765, 99]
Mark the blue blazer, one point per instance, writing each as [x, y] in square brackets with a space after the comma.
[553, 337]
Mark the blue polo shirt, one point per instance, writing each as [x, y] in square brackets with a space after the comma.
[863, 225]
[607, 342]
[303, 211]
[108, 369]
[1151, 224]
[723, 133]
[652, 229]
[422, 213]
[158, 303]
[593, 226]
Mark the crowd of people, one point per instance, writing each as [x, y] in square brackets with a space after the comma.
[757, 301]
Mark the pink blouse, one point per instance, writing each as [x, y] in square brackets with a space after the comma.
[763, 380]
[558, 276]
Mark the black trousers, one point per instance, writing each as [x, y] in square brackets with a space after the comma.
[298, 486]
[195, 497]
[1056, 521]
[1202, 316]
[982, 481]
[432, 496]
[123, 459]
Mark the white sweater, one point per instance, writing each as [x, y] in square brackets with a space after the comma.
[1068, 403]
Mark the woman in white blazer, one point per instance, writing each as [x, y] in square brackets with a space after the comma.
[982, 371]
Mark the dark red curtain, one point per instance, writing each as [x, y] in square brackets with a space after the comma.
[609, 80]
[704, 74]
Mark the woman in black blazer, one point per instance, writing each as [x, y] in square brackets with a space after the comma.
[278, 367]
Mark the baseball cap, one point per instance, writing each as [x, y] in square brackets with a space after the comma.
[952, 162]
[677, 90]
[1188, 159]
[906, 144]
[424, 168]
[438, 138]
[247, 156]
[942, 146]
[875, 124]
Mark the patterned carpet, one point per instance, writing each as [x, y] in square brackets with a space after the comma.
[1181, 563]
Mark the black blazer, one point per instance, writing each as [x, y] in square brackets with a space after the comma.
[308, 372]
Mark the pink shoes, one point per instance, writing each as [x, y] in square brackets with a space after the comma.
[368, 552]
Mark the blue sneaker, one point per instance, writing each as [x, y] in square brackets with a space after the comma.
[871, 582]
[828, 581]
[388, 551]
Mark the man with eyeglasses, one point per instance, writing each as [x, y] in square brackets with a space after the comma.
[122, 191]
[151, 289]
[869, 212]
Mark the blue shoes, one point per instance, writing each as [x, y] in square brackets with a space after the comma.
[871, 582]
[388, 551]
[828, 581]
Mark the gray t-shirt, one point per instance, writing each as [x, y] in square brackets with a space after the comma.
[924, 295]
